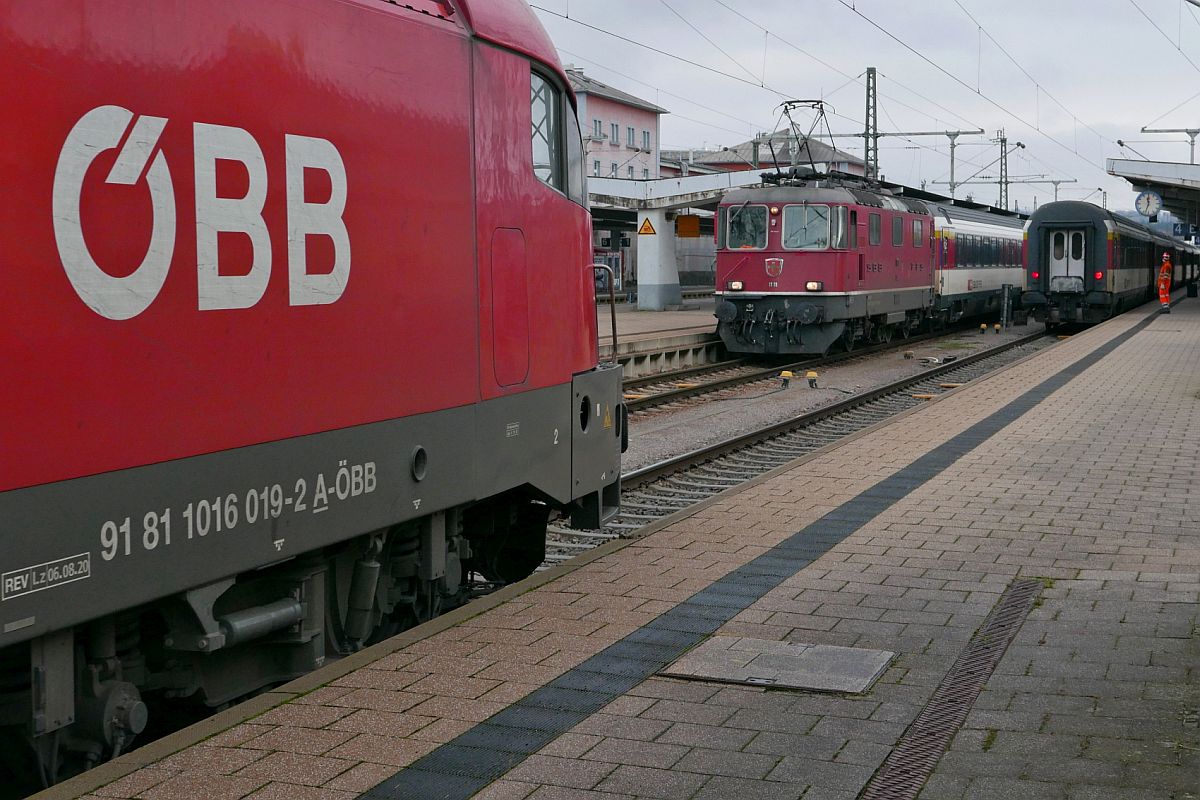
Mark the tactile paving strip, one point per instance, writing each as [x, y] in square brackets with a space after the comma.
[462, 767]
[904, 772]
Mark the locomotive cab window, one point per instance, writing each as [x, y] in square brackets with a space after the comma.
[747, 229]
[556, 140]
[806, 227]
[839, 233]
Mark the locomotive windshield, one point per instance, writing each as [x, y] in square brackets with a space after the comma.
[806, 227]
[747, 228]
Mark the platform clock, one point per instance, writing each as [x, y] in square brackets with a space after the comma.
[1148, 203]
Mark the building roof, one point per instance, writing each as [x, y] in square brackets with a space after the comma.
[783, 143]
[582, 84]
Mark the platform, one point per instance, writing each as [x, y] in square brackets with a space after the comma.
[1050, 501]
[657, 341]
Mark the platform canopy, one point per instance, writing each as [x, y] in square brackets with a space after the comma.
[1177, 184]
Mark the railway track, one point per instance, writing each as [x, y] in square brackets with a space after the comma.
[652, 391]
[650, 493]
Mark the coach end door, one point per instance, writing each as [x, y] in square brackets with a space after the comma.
[1068, 251]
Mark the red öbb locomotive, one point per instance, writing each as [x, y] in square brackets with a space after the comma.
[301, 331]
[816, 261]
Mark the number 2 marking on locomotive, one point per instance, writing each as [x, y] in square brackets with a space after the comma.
[556, 435]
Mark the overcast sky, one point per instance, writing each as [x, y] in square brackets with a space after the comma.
[1067, 78]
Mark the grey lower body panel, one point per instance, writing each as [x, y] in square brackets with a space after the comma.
[972, 304]
[810, 324]
[79, 549]
[1080, 307]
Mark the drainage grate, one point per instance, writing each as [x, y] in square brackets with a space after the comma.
[910, 764]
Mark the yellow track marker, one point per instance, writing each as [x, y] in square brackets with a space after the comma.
[924, 396]
[949, 385]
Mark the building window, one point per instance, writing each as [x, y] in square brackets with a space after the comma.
[616, 134]
[631, 173]
[546, 106]
[596, 168]
[645, 140]
[598, 129]
[613, 172]
[629, 132]
[645, 174]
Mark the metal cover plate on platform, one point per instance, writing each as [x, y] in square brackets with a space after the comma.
[786, 665]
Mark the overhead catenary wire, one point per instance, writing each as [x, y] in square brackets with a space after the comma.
[698, 104]
[1037, 84]
[1073, 150]
[705, 67]
[1165, 35]
[710, 41]
[832, 68]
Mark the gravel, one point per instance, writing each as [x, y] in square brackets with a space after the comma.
[666, 432]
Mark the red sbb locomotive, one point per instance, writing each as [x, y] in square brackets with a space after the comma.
[301, 335]
[817, 261]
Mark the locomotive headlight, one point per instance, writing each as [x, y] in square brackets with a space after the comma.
[814, 286]
[735, 286]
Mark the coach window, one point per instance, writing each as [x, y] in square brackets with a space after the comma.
[897, 231]
[1059, 246]
[806, 227]
[1076, 246]
[747, 227]
[875, 229]
[918, 232]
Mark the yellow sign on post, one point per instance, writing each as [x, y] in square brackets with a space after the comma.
[647, 229]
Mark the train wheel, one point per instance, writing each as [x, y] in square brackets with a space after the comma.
[508, 538]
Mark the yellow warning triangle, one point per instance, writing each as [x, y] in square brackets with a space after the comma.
[607, 417]
[646, 229]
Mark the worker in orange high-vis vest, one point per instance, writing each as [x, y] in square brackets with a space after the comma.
[1165, 273]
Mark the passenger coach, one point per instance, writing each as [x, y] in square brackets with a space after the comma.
[1086, 264]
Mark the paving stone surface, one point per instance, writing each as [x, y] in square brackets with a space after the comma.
[1098, 696]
